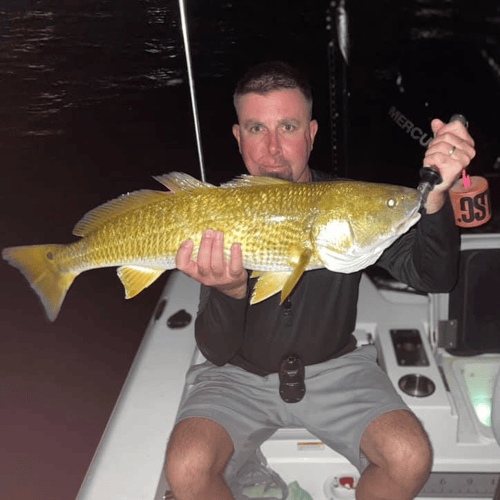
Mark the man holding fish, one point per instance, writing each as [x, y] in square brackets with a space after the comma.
[349, 403]
[279, 341]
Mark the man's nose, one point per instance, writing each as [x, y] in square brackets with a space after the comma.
[274, 142]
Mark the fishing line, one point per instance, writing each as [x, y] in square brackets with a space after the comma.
[192, 92]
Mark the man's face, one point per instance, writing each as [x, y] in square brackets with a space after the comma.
[275, 135]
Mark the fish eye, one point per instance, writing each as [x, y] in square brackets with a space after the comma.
[391, 202]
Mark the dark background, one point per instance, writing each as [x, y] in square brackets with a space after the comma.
[94, 101]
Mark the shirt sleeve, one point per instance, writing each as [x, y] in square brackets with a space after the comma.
[426, 258]
[220, 325]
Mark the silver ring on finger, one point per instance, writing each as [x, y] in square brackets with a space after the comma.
[452, 150]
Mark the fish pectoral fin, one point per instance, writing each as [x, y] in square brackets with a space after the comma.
[268, 284]
[295, 275]
[135, 279]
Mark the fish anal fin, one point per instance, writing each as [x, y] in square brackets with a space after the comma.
[97, 217]
[268, 284]
[135, 279]
[295, 275]
[179, 181]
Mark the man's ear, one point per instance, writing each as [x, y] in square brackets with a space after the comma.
[313, 127]
[237, 135]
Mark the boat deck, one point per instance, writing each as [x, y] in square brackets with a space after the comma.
[130, 458]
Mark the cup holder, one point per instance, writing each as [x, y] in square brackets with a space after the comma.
[416, 385]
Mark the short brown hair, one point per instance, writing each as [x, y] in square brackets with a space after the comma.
[273, 75]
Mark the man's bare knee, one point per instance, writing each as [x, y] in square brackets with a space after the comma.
[398, 446]
[198, 449]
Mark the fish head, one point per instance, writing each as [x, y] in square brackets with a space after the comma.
[358, 221]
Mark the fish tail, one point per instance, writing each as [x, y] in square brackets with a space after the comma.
[39, 267]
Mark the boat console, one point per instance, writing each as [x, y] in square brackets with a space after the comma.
[442, 352]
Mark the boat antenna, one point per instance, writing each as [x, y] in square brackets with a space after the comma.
[187, 51]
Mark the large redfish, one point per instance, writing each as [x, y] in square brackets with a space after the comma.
[284, 229]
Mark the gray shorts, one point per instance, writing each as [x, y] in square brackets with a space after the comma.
[343, 395]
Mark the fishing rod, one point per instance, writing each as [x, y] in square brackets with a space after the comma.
[192, 92]
[470, 200]
[429, 175]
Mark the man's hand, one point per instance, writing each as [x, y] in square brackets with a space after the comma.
[211, 267]
[448, 138]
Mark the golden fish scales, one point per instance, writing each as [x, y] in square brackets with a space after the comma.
[270, 222]
[284, 229]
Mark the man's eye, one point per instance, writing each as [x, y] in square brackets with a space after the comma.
[289, 127]
[255, 128]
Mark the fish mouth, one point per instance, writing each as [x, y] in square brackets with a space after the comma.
[412, 218]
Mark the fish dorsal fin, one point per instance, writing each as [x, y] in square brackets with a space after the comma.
[135, 279]
[178, 181]
[253, 180]
[270, 283]
[99, 216]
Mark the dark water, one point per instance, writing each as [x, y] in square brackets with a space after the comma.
[94, 101]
